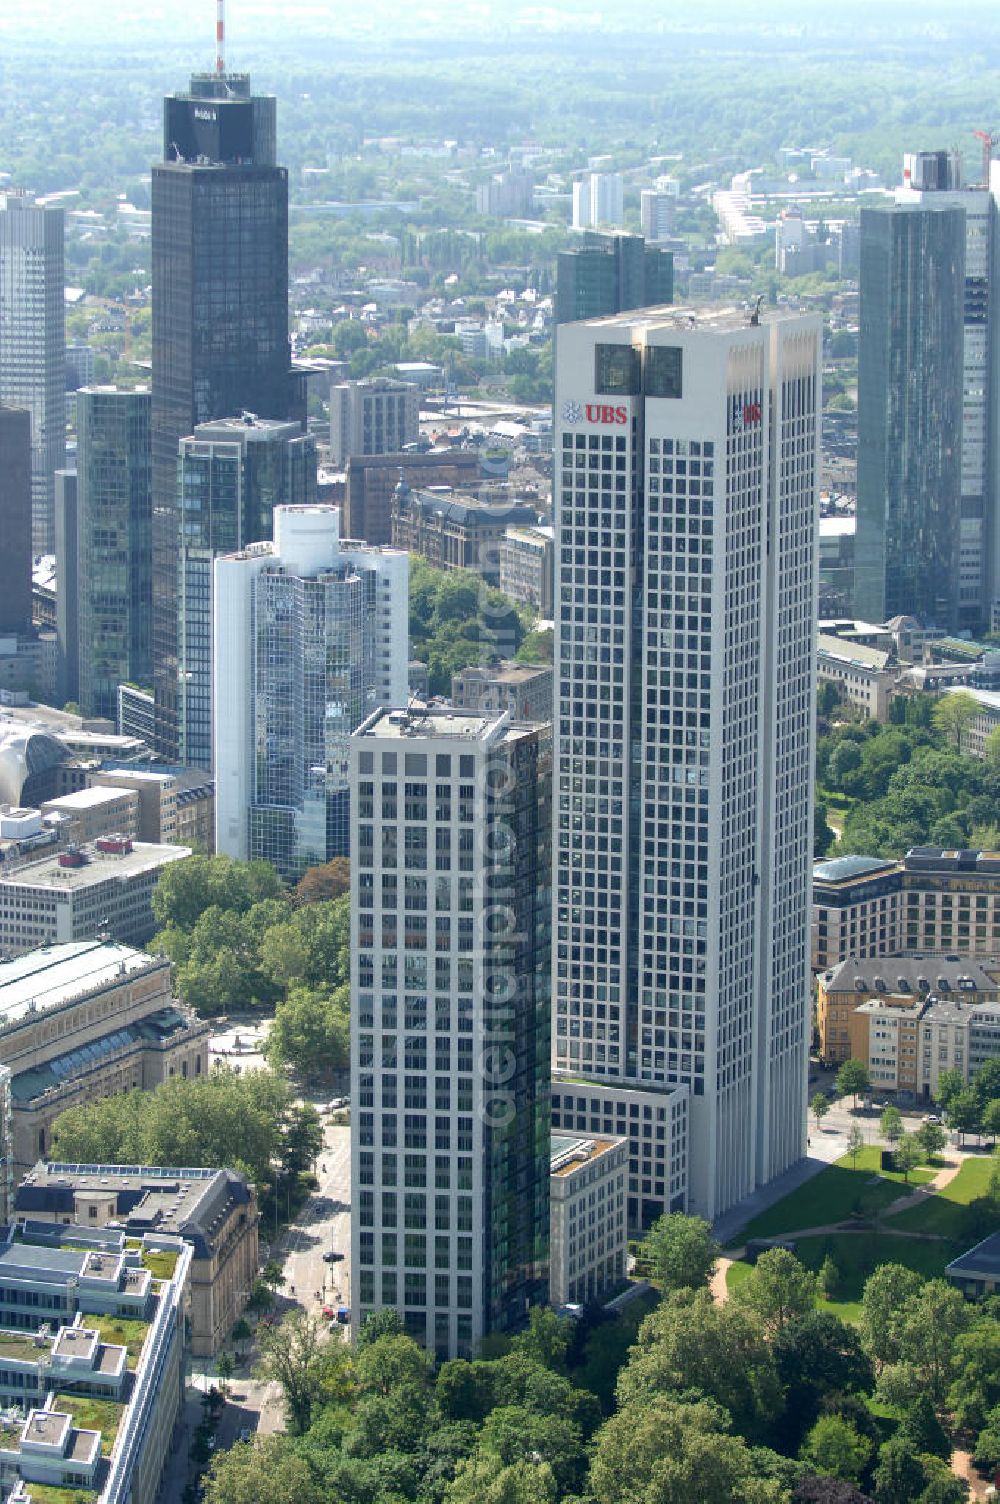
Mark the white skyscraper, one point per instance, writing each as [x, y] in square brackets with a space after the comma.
[450, 984]
[33, 343]
[310, 636]
[686, 493]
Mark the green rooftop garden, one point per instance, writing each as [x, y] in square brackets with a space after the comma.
[10, 1437]
[121, 1331]
[92, 1415]
[45, 1493]
[18, 1345]
[160, 1262]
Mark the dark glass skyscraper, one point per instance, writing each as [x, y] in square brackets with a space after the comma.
[220, 308]
[910, 415]
[15, 520]
[113, 583]
[611, 273]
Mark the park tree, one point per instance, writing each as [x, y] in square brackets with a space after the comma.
[886, 1294]
[991, 747]
[819, 1106]
[681, 1252]
[991, 1115]
[379, 1324]
[923, 1430]
[950, 1083]
[225, 1366]
[855, 1143]
[964, 1113]
[185, 889]
[975, 1388]
[890, 1125]
[779, 1289]
[311, 1032]
[853, 1079]
[932, 1138]
[818, 1356]
[298, 1355]
[327, 880]
[664, 1451]
[909, 1152]
[953, 714]
[932, 1320]
[547, 1339]
[266, 1469]
[899, 1476]
[836, 1449]
[723, 1351]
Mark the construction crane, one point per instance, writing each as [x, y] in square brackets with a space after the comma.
[989, 141]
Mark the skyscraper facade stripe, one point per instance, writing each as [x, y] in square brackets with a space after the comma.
[686, 497]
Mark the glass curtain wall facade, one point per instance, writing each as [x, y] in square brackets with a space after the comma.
[313, 683]
[33, 343]
[230, 477]
[449, 1024]
[910, 415]
[220, 309]
[114, 586]
[611, 274]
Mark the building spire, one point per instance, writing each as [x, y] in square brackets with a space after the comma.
[220, 37]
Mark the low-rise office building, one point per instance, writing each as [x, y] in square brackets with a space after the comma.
[86, 891]
[83, 1409]
[522, 690]
[455, 531]
[865, 676]
[82, 1021]
[156, 800]
[371, 479]
[94, 812]
[932, 900]
[588, 1189]
[213, 1211]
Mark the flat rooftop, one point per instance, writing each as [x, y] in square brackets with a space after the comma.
[683, 320]
[50, 976]
[101, 867]
[846, 650]
[569, 1152]
[458, 724]
[91, 798]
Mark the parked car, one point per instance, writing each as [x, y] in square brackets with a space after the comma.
[337, 1104]
[332, 1257]
[343, 1314]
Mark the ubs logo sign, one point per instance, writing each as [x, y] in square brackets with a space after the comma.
[593, 413]
[744, 415]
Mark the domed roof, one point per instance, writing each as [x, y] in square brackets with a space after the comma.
[25, 753]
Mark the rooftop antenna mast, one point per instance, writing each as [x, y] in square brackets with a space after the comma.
[220, 37]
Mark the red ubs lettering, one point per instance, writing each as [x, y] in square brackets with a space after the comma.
[597, 413]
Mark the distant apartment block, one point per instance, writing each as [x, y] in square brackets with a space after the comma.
[598, 201]
[87, 1020]
[83, 893]
[910, 1018]
[588, 1249]
[526, 564]
[506, 195]
[377, 416]
[213, 1211]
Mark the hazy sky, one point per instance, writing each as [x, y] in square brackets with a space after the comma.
[246, 18]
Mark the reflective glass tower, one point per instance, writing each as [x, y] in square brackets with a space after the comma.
[910, 415]
[220, 308]
[113, 572]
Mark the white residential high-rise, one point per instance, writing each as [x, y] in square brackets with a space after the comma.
[598, 201]
[686, 495]
[310, 636]
[33, 343]
[450, 985]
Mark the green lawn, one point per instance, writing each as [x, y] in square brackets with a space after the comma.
[944, 1212]
[835, 1194]
[856, 1255]
[92, 1415]
[45, 1493]
[120, 1331]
